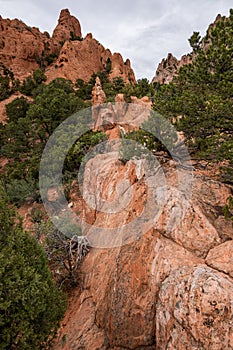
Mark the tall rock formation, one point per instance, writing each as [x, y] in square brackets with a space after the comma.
[68, 27]
[169, 67]
[23, 49]
[21, 46]
[80, 59]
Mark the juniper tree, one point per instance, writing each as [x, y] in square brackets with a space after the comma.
[31, 306]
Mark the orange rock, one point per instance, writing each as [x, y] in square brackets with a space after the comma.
[80, 59]
[68, 28]
[98, 95]
[22, 49]
[155, 292]
[21, 45]
[144, 101]
[221, 258]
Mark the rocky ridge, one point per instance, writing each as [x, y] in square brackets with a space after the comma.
[168, 67]
[24, 48]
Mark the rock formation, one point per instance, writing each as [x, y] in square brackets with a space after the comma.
[23, 49]
[80, 59]
[98, 95]
[162, 290]
[21, 46]
[168, 68]
[68, 28]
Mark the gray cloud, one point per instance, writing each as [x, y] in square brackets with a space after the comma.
[144, 31]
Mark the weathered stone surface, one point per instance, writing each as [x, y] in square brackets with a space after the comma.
[80, 59]
[194, 310]
[221, 258]
[22, 49]
[98, 95]
[168, 68]
[68, 27]
[157, 291]
[21, 45]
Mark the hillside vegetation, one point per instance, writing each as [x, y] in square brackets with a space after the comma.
[199, 102]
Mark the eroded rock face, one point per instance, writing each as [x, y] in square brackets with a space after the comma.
[169, 67]
[164, 289]
[23, 49]
[98, 95]
[68, 28]
[194, 310]
[80, 59]
[21, 46]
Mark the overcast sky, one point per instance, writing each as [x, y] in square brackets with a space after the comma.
[143, 30]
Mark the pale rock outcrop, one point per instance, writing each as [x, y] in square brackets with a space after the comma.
[169, 67]
[159, 288]
[144, 101]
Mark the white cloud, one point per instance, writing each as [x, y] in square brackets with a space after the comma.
[144, 31]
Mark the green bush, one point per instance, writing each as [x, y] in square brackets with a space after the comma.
[31, 306]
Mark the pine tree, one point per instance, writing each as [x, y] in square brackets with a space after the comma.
[202, 94]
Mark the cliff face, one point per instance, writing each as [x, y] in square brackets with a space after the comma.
[168, 68]
[154, 284]
[163, 290]
[80, 59]
[22, 49]
[68, 26]
[20, 45]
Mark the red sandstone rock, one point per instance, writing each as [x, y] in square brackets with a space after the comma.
[98, 95]
[156, 292]
[68, 28]
[20, 45]
[80, 59]
[22, 48]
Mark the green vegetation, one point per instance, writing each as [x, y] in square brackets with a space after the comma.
[108, 65]
[29, 126]
[74, 37]
[202, 95]
[199, 102]
[64, 254]
[228, 209]
[31, 306]
[8, 84]
[83, 147]
[31, 83]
